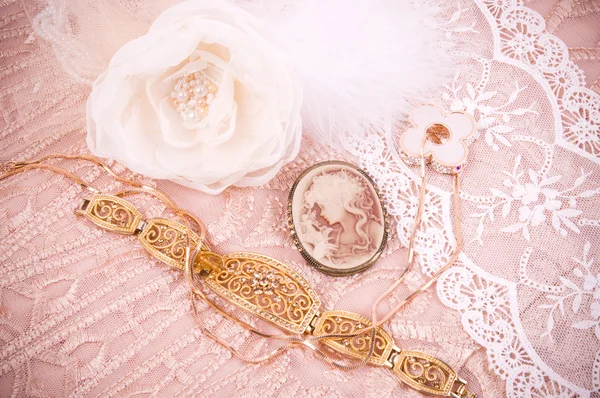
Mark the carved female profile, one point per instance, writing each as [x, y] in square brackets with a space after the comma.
[337, 218]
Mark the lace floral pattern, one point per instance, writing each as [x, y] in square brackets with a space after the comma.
[86, 313]
[530, 195]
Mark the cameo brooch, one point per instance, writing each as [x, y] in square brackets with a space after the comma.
[337, 218]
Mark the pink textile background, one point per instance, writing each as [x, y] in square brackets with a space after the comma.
[87, 313]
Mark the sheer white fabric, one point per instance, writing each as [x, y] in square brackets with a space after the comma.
[86, 313]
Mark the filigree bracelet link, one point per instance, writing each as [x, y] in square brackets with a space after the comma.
[262, 286]
[166, 240]
[429, 375]
[112, 213]
[343, 322]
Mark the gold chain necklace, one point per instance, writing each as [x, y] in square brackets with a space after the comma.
[263, 286]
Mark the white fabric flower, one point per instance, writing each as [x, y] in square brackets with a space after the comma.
[240, 132]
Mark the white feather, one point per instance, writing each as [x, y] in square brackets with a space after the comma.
[359, 60]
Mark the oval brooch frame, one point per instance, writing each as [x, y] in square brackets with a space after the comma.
[337, 218]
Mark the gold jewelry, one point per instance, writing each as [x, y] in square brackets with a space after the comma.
[260, 285]
[437, 133]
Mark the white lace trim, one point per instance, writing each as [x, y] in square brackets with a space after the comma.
[468, 288]
[471, 290]
[546, 58]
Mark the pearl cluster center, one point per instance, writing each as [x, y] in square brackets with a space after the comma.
[192, 96]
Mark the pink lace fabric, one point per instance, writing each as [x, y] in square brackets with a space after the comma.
[87, 313]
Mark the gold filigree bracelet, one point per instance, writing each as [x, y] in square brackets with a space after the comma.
[259, 285]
